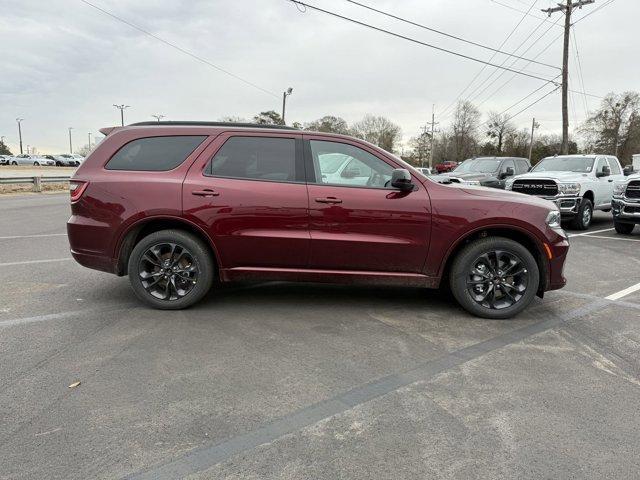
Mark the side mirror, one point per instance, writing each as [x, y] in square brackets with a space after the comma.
[529, 169]
[401, 179]
[628, 170]
[509, 172]
[606, 171]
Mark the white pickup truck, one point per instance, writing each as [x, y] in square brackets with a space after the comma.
[626, 204]
[577, 184]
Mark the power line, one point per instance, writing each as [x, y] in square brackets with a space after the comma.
[593, 11]
[532, 104]
[522, 100]
[580, 74]
[527, 14]
[470, 42]
[485, 66]
[413, 40]
[180, 49]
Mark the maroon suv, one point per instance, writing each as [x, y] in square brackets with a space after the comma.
[179, 205]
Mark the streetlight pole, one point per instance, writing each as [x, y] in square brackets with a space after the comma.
[19, 120]
[534, 125]
[285, 94]
[70, 143]
[121, 108]
[158, 117]
[89, 140]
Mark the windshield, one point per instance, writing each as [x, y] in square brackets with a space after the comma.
[478, 165]
[564, 164]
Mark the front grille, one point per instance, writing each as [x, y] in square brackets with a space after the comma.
[628, 209]
[633, 189]
[543, 188]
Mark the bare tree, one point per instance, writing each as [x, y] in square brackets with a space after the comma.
[499, 127]
[420, 146]
[466, 122]
[379, 131]
[270, 117]
[612, 128]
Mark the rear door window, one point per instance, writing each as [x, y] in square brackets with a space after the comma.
[154, 153]
[255, 158]
[615, 168]
[522, 166]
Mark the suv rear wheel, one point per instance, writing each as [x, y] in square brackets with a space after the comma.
[623, 228]
[170, 269]
[494, 277]
[582, 220]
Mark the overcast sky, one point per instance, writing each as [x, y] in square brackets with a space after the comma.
[64, 63]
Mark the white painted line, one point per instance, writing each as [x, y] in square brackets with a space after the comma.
[41, 318]
[614, 238]
[589, 233]
[16, 237]
[28, 262]
[624, 293]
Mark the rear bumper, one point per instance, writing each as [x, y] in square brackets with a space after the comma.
[625, 211]
[89, 244]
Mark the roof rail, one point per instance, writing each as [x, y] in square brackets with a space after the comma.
[210, 124]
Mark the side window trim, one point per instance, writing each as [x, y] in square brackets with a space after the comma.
[299, 164]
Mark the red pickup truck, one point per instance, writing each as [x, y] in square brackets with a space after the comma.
[446, 166]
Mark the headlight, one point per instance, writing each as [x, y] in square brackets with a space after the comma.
[569, 188]
[508, 185]
[554, 218]
[618, 189]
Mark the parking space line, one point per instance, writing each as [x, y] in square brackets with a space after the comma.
[624, 293]
[614, 238]
[589, 233]
[16, 237]
[200, 459]
[57, 316]
[29, 262]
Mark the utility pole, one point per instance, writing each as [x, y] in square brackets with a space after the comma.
[285, 94]
[158, 117]
[70, 143]
[568, 10]
[534, 125]
[89, 140]
[433, 124]
[121, 108]
[19, 120]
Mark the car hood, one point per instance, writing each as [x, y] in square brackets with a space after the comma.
[508, 196]
[562, 176]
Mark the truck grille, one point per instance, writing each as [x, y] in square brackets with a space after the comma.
[543, 188]
[633, 189]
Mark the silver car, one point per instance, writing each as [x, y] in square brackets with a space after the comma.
[67, 159]
[28, 159]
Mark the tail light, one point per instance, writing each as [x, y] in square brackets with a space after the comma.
[76, 189]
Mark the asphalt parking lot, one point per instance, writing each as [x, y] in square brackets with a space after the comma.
[311, 381]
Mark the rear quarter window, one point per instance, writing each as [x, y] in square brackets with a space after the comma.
[154, 153]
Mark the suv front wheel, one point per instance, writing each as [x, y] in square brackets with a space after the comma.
[170, 269]
[494, 277]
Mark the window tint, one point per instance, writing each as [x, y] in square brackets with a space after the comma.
[601, 163]
[154, 153]
[506, 164]
[342, 164]
[615, 168]
[522, 166]
[257, 158]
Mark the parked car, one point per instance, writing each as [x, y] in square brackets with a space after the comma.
[577, 184]
[487, 171]
[626, 204]
[5, 159]
[176, 205]
[445, 166]
[425, 170]
[67, 160]
[30, 159]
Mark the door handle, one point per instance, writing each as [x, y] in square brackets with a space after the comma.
[328, 200]
[610, 180]
[207, 192]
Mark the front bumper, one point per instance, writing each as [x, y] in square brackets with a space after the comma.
[568, 205]
[625, 210]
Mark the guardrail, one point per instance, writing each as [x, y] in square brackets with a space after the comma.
[36, 181]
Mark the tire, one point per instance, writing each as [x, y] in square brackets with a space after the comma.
[623, 228]
[14, 163]
[197, 255]
[526, 284]
[36, 164]
[583, 218]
